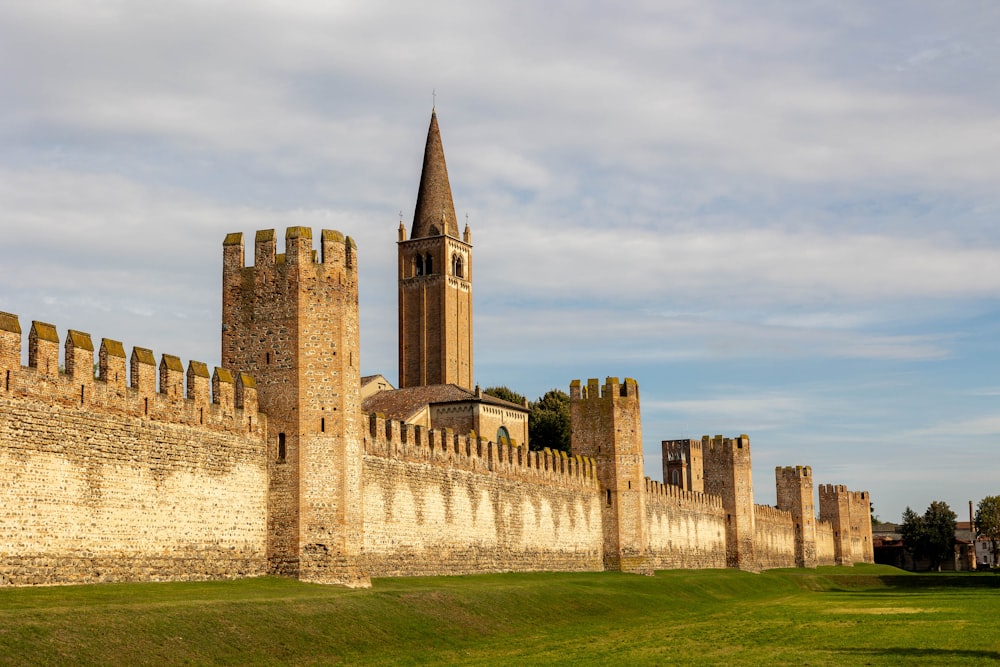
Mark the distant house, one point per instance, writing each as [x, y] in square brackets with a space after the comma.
[891, 550]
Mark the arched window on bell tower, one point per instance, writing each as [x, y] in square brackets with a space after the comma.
[456, 265]
[428, 264]
[418, 265]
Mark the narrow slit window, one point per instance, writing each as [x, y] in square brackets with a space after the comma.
[322, 424]
[281, 448]
[608, 492]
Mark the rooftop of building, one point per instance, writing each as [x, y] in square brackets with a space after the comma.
[401, 404]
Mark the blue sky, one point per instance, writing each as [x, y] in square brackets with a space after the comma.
[780, 218]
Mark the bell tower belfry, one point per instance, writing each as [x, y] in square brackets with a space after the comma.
[435, 282]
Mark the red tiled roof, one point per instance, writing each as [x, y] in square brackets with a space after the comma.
[401, 404]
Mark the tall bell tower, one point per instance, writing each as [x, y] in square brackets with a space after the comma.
[435, 282]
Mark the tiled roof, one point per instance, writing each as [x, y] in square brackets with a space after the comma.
[401, 404]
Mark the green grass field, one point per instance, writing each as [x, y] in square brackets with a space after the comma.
[866, 615]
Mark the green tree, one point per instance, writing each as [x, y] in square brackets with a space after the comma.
[913, 534]
[931, 536]
[939, 521]
[506, 394]
[988, 522]
[548, 421]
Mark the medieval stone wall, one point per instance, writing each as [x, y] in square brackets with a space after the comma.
[774, 537]
[685, 529]
[105, 482]
[825, 551]
[439, 503]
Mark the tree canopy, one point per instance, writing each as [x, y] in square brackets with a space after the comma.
[505, 394]
[988, 522]
[548, 417]
[548, 421]
[931, 536]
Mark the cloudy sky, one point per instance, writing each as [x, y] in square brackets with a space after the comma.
[780, 218]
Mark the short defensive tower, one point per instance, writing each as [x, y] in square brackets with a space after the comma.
[683, 465]
[728, 474]
[606, 427]
[795, 494]
[849, 512]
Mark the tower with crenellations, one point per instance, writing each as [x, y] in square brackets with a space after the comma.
[291, 320]
[794, 485]
[607, 428]
[435, 282]
[728, 474]
[849, 514]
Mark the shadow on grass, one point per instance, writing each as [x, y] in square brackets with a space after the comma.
[914, 581]
[917, 653]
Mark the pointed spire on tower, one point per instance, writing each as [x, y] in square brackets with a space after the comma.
[435, 211]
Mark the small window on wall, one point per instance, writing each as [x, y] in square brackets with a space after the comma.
[281, 448]
[456, 265]
[418, 265]
[503, 436]
[428, 264]
[675, 477]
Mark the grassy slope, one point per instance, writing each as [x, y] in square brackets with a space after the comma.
[862, 615]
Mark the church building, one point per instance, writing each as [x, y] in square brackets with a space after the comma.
[437, 386]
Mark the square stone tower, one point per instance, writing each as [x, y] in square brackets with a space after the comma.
[728, 474]
[291, 320]
[794, 487]
[683, 465]
[606, 426]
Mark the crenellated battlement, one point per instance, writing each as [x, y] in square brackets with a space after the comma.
[337, 253]
[720, 445]
[231, 405]
[793, 473]
[611, 389]
[391, 439]
[655, 489]
[772, 514]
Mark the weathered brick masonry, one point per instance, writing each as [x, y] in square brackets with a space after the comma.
[268, 465]
[104, 482]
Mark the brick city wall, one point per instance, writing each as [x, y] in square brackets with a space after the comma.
[100, 481]
[825, 554]
[685, 529]
[440, 503]
[774, 537]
